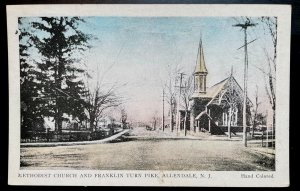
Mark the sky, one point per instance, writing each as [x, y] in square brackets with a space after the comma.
[137, 52]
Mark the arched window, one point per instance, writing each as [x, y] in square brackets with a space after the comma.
[201, 83]
[196, 87]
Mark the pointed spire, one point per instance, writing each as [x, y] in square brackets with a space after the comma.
[200, 71]
[200, 65]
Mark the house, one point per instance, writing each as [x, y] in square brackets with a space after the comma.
[210, 108]
[68, 123]
[108, 122]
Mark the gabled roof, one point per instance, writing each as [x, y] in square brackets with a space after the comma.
[212, 91]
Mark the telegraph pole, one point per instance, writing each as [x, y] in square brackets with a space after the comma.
[171, 110]
[178, 102]
[267, 129]
[244, 26]
[163, 110]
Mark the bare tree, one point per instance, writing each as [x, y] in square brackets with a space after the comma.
[98, 100]
[155, 120]
[185, 96]
[124, 117]
[255, 110]
[270, 26]
[170, 93]
[270, 83]
[232, 102]
[171, 100]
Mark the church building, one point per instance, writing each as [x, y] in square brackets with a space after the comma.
[213, 109]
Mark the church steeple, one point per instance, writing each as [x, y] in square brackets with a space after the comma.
[200, 71]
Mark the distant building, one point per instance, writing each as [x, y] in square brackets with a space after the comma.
[107, 122]
[209, 107]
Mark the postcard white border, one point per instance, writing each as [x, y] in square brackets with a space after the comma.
[219, 178]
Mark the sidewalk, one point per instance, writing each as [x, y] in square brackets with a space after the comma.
[264, 150]
[141, 133]
[53, 144]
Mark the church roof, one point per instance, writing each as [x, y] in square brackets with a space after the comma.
[212, 91]
[200, 64]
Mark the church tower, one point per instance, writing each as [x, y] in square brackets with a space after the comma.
[200, 72]
[199, 86]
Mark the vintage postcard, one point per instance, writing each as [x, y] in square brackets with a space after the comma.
[149, 95]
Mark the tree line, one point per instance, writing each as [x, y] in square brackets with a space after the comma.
[51, 78]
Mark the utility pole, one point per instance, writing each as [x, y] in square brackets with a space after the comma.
[244, 26]
[163, 110]
[171, 110]
[178, 102]
[267, 129]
